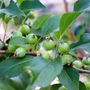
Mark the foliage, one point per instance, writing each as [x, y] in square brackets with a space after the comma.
[23, 63]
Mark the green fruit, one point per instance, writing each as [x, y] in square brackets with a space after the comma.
[32, 15]
[86, 67]
[86, 60]
[63, 88]
[20, 52]
[11, 48]
[87, 84]
[16, 34]
[46, 56]
[31, 38]
[49, 44]
[77, 64]
[63, 48]
[25, 29]
[67, 59]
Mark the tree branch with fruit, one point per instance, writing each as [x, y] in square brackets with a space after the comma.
[42, 48]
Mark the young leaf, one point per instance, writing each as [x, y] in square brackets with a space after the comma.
[66, 21]
[69, 77]
[31, 4]
[83, 43]
[82, 5]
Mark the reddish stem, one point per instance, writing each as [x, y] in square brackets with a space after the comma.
[65, 6]
[28, 53]
[84, 71]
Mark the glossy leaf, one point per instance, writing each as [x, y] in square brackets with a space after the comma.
[83, 43]
[49, 26]
[13, 66]
[47, 74]
[31, 4]
[82, 5]
[82, 86]
[40, 21]
[66, 21]
[12, 9]
[69, 77]
[18, 41]
[5, 86]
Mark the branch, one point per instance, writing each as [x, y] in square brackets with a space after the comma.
[65, 6]
[71, 33]
[5, 29]
[84, 71]
[28, 53]
[72, 36]
[80, 70]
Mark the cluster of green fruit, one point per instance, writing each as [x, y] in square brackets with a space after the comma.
[48, 45]
[77, 63]
[24, 31]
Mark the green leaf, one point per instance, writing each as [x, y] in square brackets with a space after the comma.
[12, 66]
[20, 1]
[19, 82]
[5, 86]
[79, 30]
[40, 21]
[47, 74]
[82, 86]
[52, 87]
[66, 21]
[69, 77]
[82, 5]
[31, 4]
[12, 9]
[18, 41]
[39, 68]
[56, 35]
[83, 43]
[51, 25]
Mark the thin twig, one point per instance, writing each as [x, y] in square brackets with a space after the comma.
[28, 53]
[65, 6]
[5, 28]
[84, 71]
[72, 35]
